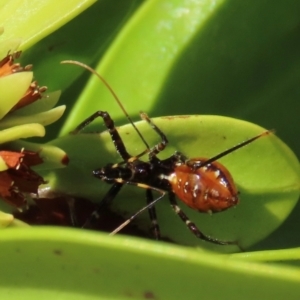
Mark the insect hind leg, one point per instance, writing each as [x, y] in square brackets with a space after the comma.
[109, 197]
[110, 125]
[192, 226]
[150, 204]
[152, 214]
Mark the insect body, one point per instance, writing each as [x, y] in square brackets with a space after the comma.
[207, 189]
[201, 183]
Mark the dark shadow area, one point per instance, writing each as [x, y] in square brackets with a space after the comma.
[244, 62]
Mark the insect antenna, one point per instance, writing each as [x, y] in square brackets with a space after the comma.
[232, 149]
[74, 62]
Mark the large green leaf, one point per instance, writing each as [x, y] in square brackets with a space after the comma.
[268, 190]
[218, 57]
[71, 264]
[236, 58]
[221, 57]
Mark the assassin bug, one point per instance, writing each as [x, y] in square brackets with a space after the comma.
[201, 183]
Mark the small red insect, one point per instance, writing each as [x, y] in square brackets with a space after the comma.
[201, 183]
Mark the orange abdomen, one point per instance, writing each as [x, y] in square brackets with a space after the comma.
[207, 189]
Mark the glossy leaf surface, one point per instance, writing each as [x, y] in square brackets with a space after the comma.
[268, 191]
[102, 272]
[220, 57]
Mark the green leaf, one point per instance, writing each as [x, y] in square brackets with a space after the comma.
[10, 95]
[268, 190]
[3, 165]
[280, 255]
[102, 21]
[220, 57]
[224, 57]
[45, 118]
[10, 45]
[21, 132]
[46, 103]
[142, 63]
[103, 273]
[5, 219]
[17, 223]
[33, 20]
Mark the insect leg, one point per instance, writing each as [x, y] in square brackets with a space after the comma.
[149, 205]
[110, 125]
[164, 141]
[152, 214]
[110, 195]
[192, 227]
